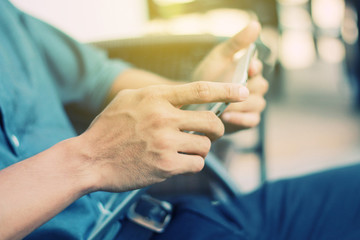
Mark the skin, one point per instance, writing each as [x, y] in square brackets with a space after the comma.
[137, 140]
[219, 66]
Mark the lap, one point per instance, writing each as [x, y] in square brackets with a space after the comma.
[319, 206]
[322, 206]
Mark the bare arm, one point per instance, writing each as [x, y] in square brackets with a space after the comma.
[36, 189]
[107, 156]
[136, 78]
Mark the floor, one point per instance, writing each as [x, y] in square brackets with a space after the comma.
[310, 125]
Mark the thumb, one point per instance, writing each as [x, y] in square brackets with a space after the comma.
[241, 40]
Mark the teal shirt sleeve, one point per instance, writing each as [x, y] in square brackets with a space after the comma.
[82, 73]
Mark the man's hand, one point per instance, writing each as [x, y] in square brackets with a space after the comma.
[141, 139]
[246, 114]
[219, 66]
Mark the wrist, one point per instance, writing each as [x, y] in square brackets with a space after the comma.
[76, 166]
[36, 189]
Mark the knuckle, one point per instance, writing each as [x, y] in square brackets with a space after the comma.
[207, 145]
[229, 91]
[124, 93]
[217, 127]
[148, 94]
[264, 84]
[258, 103]
[162, 143]
[210, 116]
[262, 103]
[220, 127]
[235, 44]
[198, 165]
[160, 119]
[157, 120]
[214, 122]
[222, 131]
[202, 90]
[260, 65]
[166, 166]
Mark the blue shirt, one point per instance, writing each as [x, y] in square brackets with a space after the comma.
[41, 69]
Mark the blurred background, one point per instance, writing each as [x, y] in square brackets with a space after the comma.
[312, 121]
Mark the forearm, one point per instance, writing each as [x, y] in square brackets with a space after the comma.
[36, 189]
[137, 78]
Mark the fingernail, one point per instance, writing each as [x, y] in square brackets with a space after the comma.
[244, 93]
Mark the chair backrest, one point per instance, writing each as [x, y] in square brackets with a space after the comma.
[170, 56]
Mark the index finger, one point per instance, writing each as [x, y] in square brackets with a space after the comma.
[205, 92]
